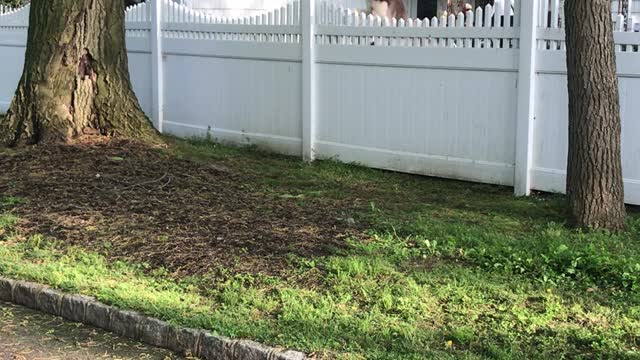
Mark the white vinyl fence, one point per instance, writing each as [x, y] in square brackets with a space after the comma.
[471, 96]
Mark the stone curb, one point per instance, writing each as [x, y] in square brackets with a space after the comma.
[130, 324]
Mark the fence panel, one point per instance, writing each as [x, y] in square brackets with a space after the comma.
[235, 79]
[441, 122]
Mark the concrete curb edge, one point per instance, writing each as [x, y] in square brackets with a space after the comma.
[133, 325]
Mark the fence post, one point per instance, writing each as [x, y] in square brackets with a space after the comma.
[526, 96]
[157, 75]
[308, 79]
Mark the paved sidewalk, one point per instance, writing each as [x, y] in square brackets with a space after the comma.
[29, 335]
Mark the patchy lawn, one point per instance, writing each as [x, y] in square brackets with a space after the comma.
[333, 259]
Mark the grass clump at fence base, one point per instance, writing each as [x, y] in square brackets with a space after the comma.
[442, 269]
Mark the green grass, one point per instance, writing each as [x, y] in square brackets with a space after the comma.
[451, 270]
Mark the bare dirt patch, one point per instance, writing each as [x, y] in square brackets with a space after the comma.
[139, 203]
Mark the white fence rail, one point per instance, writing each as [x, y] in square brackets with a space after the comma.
[473, 96]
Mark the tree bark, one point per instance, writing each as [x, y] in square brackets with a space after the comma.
[75, 79]
[594, 170]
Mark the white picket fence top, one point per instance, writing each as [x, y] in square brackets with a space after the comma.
[10, 17]
[339, 26]
[481, 28]
[551, 28]
[138, 13]
[551, 15]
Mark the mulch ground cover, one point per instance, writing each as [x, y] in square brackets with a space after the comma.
[135, 202]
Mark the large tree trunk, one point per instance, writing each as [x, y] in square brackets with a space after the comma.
[75, 79]
[594, 171]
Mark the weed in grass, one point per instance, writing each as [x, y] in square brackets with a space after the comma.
[7, 220]
[10, 201]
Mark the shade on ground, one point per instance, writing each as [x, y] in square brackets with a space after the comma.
[27, 334]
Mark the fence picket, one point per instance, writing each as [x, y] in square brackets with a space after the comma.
[191, 16]
[401, 41]
[283, 21]
[517, 16]
[382, 22]
[349, 21]
[342, 40]
[517, 20]
[241, 37]
[363, 23]
[433, 41]
[276, 22]
[340, 22]
[426, 41]
[441, 23]
[496, 23]
[182, 14]
[411, 42]
[477, 43]
[630, 18]
[555, 7]
[172, 13]
[270, 22]
[330, 21]
[619, 28]
[251, 21]
[370, 23]
[451, 42]
[296, 13]
[488, 14]
[260, 20]
[459, 42]
[296, 19]
[506, 14]
[418, 41]
[289, 21]
[469, 24]
[324, 8]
